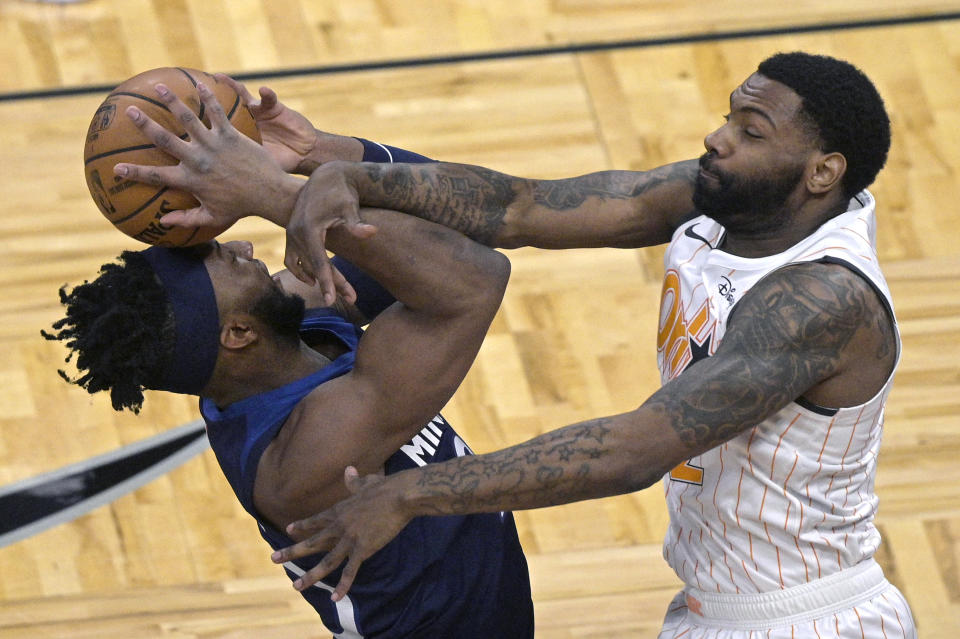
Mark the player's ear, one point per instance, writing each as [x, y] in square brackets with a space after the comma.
[237, 331]
[827, 172]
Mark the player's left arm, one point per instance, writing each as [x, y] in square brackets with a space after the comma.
[800, 328]
[797, 329]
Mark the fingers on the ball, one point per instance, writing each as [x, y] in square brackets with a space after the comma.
[218, 117]
[184, 114]
[239, 88]
[161, 137]
[174, 218]
[148, 174]
[188, 218]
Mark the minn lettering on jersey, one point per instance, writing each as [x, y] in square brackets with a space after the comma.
[423, 447]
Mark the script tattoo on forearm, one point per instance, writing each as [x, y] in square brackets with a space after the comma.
[558, 467]
[571, 193]
[474, 200]
[788, 336]
[469, 199]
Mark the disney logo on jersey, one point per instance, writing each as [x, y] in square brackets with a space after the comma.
[725, 288]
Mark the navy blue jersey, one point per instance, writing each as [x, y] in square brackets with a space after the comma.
[460, 577]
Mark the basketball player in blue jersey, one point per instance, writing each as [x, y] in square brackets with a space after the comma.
[292, 396]
[777, 346]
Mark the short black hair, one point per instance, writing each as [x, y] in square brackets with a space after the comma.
[843, 106]
[121, 328]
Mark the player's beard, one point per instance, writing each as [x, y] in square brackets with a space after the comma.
[746, 206]
[282, 312]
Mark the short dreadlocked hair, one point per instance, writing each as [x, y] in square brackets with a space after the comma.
[843, 106]
[121, 328]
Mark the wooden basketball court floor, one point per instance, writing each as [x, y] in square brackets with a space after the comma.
[178, 557]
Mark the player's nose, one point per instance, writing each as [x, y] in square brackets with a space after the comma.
[243, 248]
[716, 142]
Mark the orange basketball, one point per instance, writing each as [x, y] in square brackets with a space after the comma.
[133, 207]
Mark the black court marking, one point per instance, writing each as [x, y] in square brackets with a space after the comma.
[588, 47]
[36, 504]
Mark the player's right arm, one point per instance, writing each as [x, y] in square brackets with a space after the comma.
[624, 209]
[410, 361]
[611, 208]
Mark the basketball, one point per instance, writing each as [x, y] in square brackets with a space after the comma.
[133, 207]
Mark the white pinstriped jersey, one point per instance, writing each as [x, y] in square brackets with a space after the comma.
[792, 499]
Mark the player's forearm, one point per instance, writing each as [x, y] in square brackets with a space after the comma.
[425, 266]
[620, 209]
[610, 208]
[330, 147]
[588, 460]
[468, 199]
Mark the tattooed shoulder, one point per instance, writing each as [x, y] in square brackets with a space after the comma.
[792, 331]
[816, 308]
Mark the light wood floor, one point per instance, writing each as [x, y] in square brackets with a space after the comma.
[178, 558]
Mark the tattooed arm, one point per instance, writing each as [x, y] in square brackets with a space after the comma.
[814, 330]
[611, 208]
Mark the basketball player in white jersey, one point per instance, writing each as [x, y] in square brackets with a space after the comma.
[777, 346]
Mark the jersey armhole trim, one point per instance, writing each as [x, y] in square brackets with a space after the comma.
[816, 408]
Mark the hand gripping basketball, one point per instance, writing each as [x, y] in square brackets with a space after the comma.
[136, 208]
[231, 175]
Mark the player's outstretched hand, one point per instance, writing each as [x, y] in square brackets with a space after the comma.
[327, 200]
[289, 136]
[351, 531]
[231, 175]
